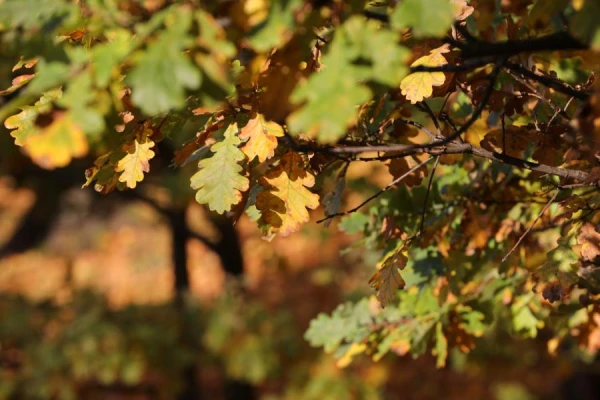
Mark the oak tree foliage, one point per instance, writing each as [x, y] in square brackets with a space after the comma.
[485, 113]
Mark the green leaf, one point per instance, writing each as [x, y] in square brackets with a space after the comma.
[426, 18]
[32, 13]
[380, 47]
[23, 123]
[86, 104]
[162, 72]
[219, 182]
[348, 322]
[585, 24]
[107, 56]
[472, 320]
[326, 331]
[331, 97]
[360, 51]
[354, 223]
[441, 346]
[277, 28]
[48, 76]
[524, 322]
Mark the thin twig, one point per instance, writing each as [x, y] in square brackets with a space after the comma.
[531, 226]
[503, 134]
[437, 161]
[425, 107]
[560, 112]
[379, 193]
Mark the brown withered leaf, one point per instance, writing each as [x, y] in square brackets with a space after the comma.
[512, 142]
[548, 151]
[287, 67]
[387, 280]
[400, 166]
[589, 239]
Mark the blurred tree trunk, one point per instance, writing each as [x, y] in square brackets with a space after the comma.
[229, 251]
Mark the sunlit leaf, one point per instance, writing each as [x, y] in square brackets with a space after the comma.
[219, 181]
[135, 163]
[286, 197]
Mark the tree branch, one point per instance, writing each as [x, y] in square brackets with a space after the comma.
[379, 193]
[546, 80]
[553, 42]
[403, 150]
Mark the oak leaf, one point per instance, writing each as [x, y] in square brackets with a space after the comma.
[262, 138]
[387, 280]
[513, 141]
[589, 240]
[419, 85]
[400, 166]
[58, 143]
[219, 181]
[285, 200]
[135, 163]
[23, 123]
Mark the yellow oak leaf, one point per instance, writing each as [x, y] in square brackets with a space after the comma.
[477, 131]
[419, 85]
[56, 144]
[285, 200]
[135, 163]
[387, 280]
[262, 137]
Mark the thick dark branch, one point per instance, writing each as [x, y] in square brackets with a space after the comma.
[553, 42]
[546, 81]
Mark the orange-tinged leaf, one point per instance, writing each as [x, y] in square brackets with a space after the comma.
[285, 200]
[419, 85]
[56, 144]
[17, 83]
[262, 137]
[387, 280]
[135, 163]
